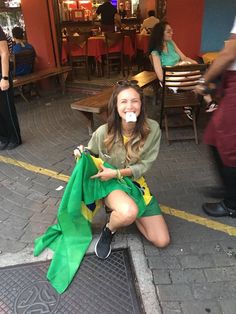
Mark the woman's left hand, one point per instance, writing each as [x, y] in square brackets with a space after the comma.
[105, 174]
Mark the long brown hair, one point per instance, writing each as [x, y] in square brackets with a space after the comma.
[114, 130]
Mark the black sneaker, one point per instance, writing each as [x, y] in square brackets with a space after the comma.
[3, 145]
[103, 245]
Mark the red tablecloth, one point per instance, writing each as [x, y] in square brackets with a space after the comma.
[142, 42]
[96, 48]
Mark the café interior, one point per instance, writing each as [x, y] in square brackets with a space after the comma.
[54, 27]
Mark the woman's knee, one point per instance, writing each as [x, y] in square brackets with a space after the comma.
[161, 241]
[128, 212]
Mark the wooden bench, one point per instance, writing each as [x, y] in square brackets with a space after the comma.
[98, 103]
[61, 72]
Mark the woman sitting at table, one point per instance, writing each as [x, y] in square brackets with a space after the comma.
[165, 52]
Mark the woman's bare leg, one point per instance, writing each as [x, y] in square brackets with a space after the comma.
[124, 209]
[124, 213]
[154, 229]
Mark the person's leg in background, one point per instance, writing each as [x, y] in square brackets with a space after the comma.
[9, 129]
[226, 207]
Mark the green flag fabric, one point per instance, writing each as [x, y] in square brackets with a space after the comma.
[72, 235]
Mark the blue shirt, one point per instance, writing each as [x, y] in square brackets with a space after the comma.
[22, 69]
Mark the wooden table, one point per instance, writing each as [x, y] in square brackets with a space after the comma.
[96, 48]
[98, 103]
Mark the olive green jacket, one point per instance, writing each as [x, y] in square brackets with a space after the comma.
[116, 157]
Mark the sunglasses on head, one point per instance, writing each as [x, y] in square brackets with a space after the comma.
[127, 83]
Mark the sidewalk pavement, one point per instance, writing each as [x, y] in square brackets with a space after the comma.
[195, 274]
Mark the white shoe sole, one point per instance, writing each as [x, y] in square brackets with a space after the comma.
[95, 250]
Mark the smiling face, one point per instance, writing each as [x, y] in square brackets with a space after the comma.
[168, 33]
[128, 100]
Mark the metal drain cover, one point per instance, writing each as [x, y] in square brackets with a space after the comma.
[100, 286]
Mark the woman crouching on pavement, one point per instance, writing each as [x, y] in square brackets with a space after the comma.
[129, 142]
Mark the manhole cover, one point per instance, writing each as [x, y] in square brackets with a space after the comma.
[100, 286]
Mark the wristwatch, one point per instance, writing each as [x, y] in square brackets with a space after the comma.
[6, 78]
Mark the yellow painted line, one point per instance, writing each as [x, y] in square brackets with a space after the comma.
[211, 224]
[199, 220]
[40, 170]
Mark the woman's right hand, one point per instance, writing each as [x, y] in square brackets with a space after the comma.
[78, 151]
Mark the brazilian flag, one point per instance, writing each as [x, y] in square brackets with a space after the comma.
[72, 235]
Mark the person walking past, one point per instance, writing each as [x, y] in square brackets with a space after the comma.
[220, 133]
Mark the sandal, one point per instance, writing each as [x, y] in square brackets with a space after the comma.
[212, 106]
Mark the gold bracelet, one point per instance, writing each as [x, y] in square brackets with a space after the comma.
[118, 174]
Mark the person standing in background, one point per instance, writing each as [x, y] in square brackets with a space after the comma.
[220, 133]
[109, 16]
[151, 21]
[9, 127]
[122, 12]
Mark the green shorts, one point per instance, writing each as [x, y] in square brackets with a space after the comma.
[152, 209]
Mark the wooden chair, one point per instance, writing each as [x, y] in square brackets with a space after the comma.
[72, 30]
[177, 93]
[131, 33]
[78, 53]
[25, 57]
[114, 58]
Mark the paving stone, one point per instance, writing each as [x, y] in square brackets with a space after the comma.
[221, 274]
[15, 198]
[10, 246]
[52, 201]
[5, 190]
[199, 307]
[175, 292]
[33, 206]
[43, 217]
[171, 308]
[39, 188]
[228, 306]
[157, 262]
[22, 212]
[51, 210]
[32, 231]
[3, 215]
[149, 249]
[187, 276]
[161, 277]
[216, 290]
[176, 250]
[196, 261]
[20, 189]
[15, 221]
[205, 248]
[37, 197]
[10, 234]
[225, 259]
